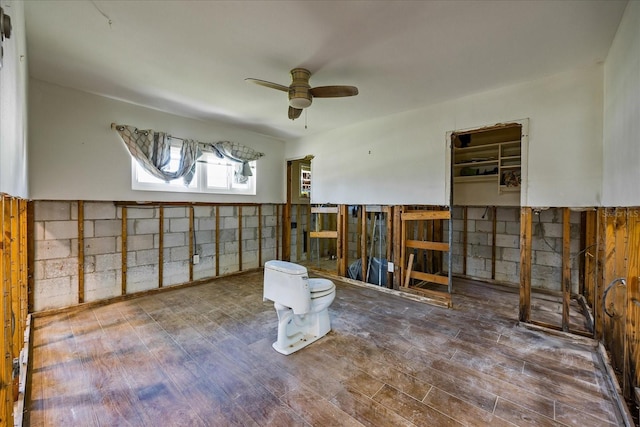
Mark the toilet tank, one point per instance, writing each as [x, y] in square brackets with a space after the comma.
[287, 284]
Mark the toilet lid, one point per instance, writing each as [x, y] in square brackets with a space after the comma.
[320, 285]
[285, 267]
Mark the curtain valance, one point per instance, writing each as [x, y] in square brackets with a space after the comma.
[152, 149]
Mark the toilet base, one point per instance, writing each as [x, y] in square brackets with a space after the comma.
[296, 332]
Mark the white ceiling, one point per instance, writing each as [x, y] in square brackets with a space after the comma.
[191, 57]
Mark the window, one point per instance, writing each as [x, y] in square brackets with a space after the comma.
[213, 175]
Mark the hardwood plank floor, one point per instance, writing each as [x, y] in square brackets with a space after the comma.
[202, 356]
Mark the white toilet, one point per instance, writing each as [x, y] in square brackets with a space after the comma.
[302, 304]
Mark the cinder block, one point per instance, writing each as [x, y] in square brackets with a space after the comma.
[55, 293]
[51, 211]
[477, 238]
[146, 226]
[501, 227]
[180, 253]
[250, 211]
[205, 269]
[106, 227]
[550, 259]
[175, 273]
[201, 212]
[89, 264]
[139, 242]
[142, 212]
[252, 222]
[512, 228]
[204, 237]
[102, 285]
[508, 214]
[60, 267]
[146, 257]
[106, 262]
[480, 251]
[477, 213]
[249, 260]
[142, 277]
[546, 277]
[484, 226]
[52, 249]
[99, 210]
[231, 247]
[54, 230]
[100, 245]
[206, 224]
[507, 241]
[174, 239]
[507, 268]
[270, 221]
[38, 230]
[550, 230]
[177, 225]
[551, 215]
[229, 222]
[547, 244]
[510, 254]
[89, 229]
[227, 211]
[176, 212]
[228, 235]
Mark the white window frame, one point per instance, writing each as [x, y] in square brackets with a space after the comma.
[199, 183]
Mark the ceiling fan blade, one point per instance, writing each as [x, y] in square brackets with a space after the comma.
[333, 91]
[294, 113]
[268, 84]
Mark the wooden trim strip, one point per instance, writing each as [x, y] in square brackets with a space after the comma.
[431, 278]
[324, 234]
[429, 246]
[425, 215]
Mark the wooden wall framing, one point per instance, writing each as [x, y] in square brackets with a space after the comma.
[14, 298]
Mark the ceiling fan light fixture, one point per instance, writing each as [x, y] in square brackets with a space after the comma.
[300, 102]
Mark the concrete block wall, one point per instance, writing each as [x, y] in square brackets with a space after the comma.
[546, 269]
[300, 217]
[56, 258]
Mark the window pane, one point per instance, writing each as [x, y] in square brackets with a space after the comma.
[217, 176]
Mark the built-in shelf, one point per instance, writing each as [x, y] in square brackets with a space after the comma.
[500, 161]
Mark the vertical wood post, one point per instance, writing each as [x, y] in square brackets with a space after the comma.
[465, 237]
[240, 238]
[397, 244]
[388, 211]
[589, 256]
[260, 235]
[123, 251]
[286, 218]
[30, 255]
[566, 268]
[525, 264]
[191, 251]
[160, 246]
[632, 329]
[494, 222]
[80, 251]
[217, 240]
[598, 314]
[363, 241]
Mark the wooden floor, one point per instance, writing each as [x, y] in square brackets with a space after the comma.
[202, 356]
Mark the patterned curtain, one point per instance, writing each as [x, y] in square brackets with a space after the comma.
[238, 153]
[152, 150]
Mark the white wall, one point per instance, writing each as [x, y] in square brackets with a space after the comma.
[402, 159]
[13, 105]
[75, 155]
[621, 146]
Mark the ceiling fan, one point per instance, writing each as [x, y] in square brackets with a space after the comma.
[301, 94]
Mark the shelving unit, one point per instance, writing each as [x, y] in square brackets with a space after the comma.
[305, 181]
[499, 162]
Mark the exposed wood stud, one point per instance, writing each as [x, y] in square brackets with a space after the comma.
[598, 314]
[589, 256]
[217, 238]
[239, 238]
[398, 255]
[388, 211]
[30, 255]
[494, 222]
[566, 268]
[286, 218]
[525, 264]
[191, 242]
[465, 237]
[160, 246]
[278, 241]
[260, 236]
[123, 252]
[363, 241]
[298, 222]
[632, 332]
[80, 251]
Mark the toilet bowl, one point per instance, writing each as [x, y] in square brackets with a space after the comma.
[302, 304]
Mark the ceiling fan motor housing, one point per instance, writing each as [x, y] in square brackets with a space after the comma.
[299, 94]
